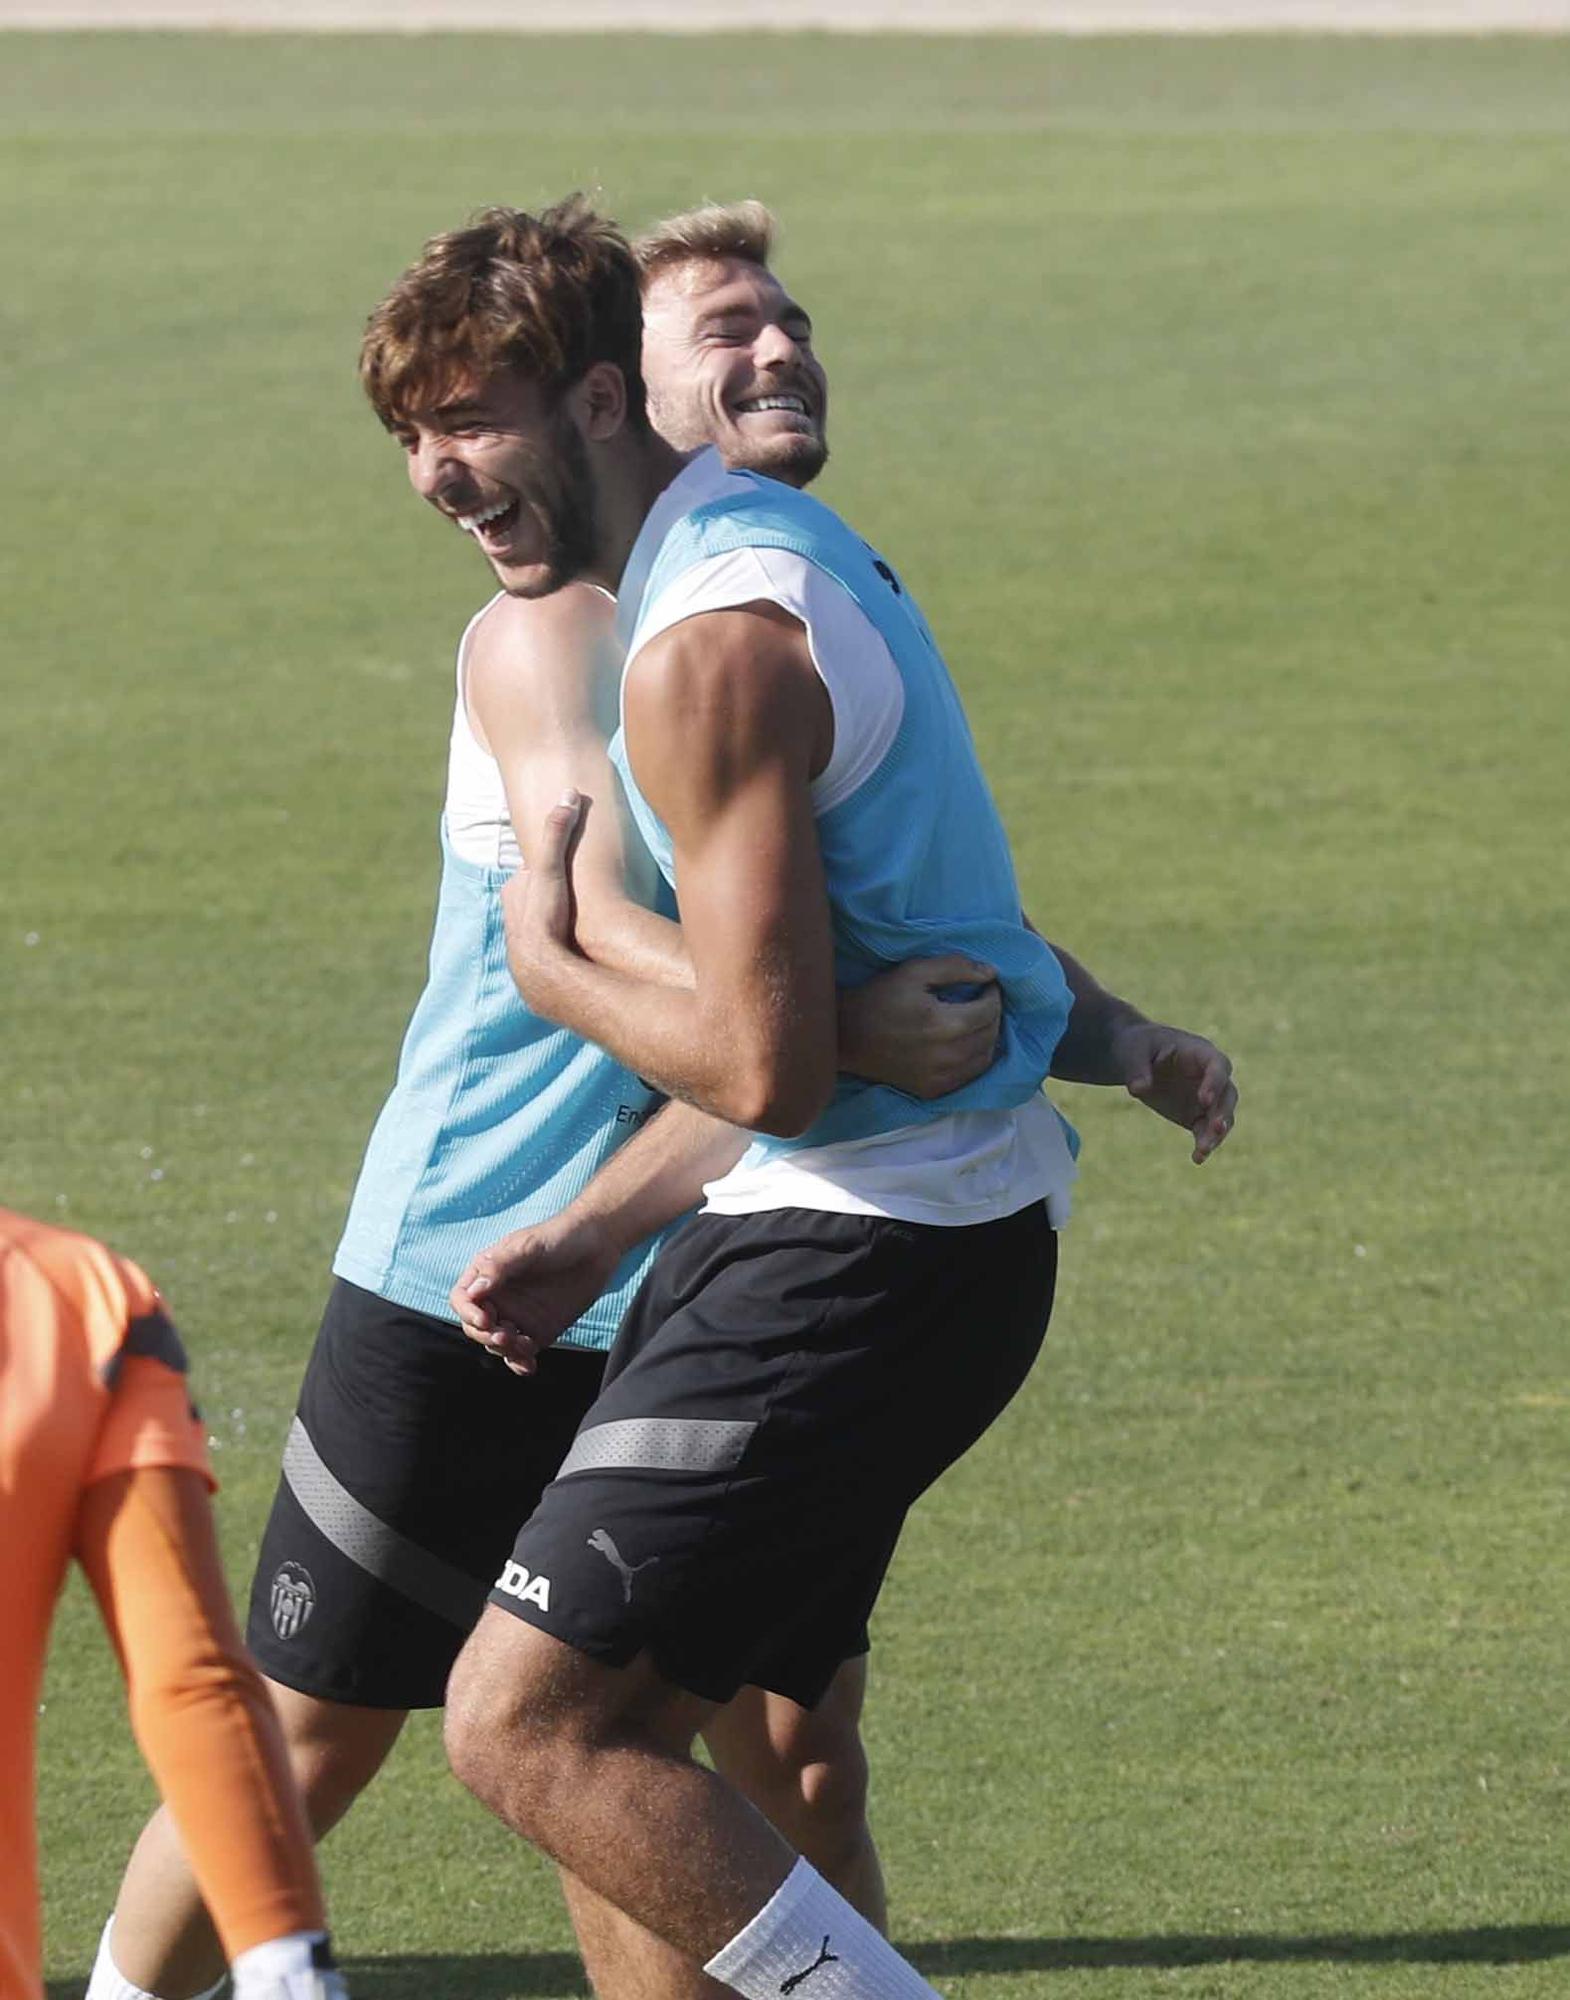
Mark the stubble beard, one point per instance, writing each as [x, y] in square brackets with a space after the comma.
[796, 460]
[564, 515]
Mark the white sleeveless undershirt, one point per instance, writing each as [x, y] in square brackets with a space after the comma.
[479, 827]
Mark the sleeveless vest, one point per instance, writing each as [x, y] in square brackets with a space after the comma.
[916, 860]
[496, 1121]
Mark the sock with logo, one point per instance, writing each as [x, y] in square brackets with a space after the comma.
[109, 1983]
[807, 1941]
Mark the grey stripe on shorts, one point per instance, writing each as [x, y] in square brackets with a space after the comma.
[379, 1550]
[659, 1444]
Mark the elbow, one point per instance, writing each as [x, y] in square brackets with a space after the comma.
[777, 1097]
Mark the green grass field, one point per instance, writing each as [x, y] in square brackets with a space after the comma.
[1211, 396]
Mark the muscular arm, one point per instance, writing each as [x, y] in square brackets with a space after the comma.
[542, 684]
[541, 688]
[726, 723]
[198, 1707]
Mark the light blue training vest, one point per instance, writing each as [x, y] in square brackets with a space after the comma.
[915, 859]
[496, 1121]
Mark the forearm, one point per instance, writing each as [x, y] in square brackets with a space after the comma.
[200, 1712]
[621, 935]
[693, 1047]
[1087, 1052]
[657, 1176]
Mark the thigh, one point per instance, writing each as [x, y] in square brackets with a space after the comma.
[335, 1749]
[786, 1386]
[412, 1459]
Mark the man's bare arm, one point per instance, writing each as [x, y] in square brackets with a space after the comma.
[542, 685]
[1180, 1076]
[726, 723]
[524, 1290]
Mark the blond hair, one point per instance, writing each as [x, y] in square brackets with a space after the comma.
[710, 232]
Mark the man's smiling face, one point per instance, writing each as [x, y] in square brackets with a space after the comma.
[728, 360]
[508, 467]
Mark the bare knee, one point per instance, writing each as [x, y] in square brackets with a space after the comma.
[805, 1769]
[821, 1798]
[335, 1749]
[832, 1786]
[495, 1731]
[478, 1725]
[535, 1729]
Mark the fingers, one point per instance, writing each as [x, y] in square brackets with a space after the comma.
[950, 969]
[468, 1299]
[1215, 1077]
[1211, 1130]
[560, 823]
[1216, 1095]
[964, 1020]
[475, 1320]
[959, 1062]
[515, 1349]
[518, 1350]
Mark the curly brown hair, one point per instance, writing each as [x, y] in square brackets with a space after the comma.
[547, 295]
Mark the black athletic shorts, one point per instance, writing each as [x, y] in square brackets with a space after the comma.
[782, 1388]
[413, 1457]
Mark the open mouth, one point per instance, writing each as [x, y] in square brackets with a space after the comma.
[795, 406]
[490, 524]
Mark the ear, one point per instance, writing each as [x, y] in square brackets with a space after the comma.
[599, 401]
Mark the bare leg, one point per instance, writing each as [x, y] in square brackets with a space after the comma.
[626, 1962]
[163, 1940]
[593, 1764]
[806, 1769]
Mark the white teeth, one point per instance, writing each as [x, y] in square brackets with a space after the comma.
[795, 404]
[470, 522]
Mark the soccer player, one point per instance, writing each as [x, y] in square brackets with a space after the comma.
[869, 1285]
[413, 1457]
[102, 1459]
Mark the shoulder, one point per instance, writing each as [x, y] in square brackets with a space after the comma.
[744, 673]
[515, 630]
[709, 650]
[528, 655]
[84, 1281]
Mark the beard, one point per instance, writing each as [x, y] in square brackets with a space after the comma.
[796, 459]
[562, 508]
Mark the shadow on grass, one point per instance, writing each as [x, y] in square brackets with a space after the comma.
[1508, 1944]
[552, 1975]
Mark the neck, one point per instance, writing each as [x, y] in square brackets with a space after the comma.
[648, 468]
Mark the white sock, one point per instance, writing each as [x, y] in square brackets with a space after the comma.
[108, 1983]
[807, 1941]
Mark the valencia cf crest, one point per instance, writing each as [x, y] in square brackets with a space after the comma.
[293, 1598]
